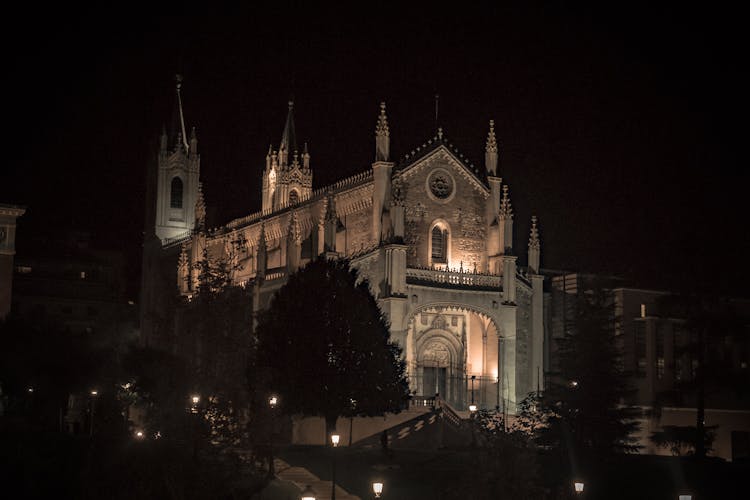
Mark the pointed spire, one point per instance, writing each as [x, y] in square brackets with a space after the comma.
[306, 158]
[506, 210]
[200, 210]
[490, 151]
[295, 233]
[193, 141]
[288, 137]
[534, 247]
[382, 136]
[534, 235]
[182, 134]
[164, 139]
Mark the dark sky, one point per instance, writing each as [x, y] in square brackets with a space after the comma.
[620, 128]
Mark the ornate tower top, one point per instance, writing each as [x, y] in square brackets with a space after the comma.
[182, 138]
[534, 235]
[200, 210]
[288, 137]
[382, 136]
[506, 210]
[490, 151]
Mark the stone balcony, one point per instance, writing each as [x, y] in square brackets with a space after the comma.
[453, 279]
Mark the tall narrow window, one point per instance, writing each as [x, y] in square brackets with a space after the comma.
[439, 245]
[640, 349]
[175, 198]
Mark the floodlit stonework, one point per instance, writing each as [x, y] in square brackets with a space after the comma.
[431, 233]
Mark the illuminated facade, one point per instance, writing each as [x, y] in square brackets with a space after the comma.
[431, 233]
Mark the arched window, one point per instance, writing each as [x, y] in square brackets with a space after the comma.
[439, 245]
[293, 197]
[175, 193]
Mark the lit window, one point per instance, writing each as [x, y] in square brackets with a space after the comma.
[175, 198]
[439, 245]
[643, 310]
[83, 275]
[660, 368]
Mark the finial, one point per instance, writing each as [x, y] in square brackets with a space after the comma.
[382, 136]
[506, 211]
[291, 105]
[178, 80]
[534, 235]
[491, 140]
[440, 133]
[200, 209]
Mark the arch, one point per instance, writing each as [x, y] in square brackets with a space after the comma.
[293, 197]
[438, 241]
[175, 193]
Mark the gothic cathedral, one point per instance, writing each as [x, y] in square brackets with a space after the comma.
[431, 233]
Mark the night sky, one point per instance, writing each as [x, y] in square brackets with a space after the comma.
[621, 129]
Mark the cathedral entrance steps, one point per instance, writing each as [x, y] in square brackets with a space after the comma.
[302, 478]
[438, 428]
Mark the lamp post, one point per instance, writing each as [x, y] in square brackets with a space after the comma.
[578, 487]
[334, 442]
[94, 393]
[195, 399]
[473, 378]
[308, 494]
[377, 488]
[272, 402]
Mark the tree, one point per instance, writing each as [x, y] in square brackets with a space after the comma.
[583, 408]
[325, 346]
[712, 333]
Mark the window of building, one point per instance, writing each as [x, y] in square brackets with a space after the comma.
[83, 275]
[660, 336]
[293, 197]
[175, 198]
[439, 245]
[640, 349]
[643, 310]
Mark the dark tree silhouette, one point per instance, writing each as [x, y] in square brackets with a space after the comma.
[325, 346]
[583, 408]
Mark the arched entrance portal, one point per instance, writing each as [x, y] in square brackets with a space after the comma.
[446, 346]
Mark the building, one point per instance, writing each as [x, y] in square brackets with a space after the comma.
[656, 345]
[432, 233]
[8, 216]
[78, 288]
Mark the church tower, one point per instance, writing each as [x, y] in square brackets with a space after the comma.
[177, 177]
[287, 178]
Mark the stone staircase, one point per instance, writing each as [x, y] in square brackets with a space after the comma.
[301, 477]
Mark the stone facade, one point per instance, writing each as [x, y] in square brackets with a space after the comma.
[424, 233]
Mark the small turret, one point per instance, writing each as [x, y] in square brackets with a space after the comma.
[193, 142]
[306, 158]
[505, 221]
[382, 137]
[490, 151]
[200, 210]
[534, 247]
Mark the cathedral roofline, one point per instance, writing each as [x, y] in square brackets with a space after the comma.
[431, 145]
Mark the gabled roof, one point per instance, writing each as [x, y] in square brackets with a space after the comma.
[437, 141]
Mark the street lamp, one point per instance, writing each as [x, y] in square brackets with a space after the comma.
[272, 402]
[578, 485]
[93, 394]
[473, 377]
[335, 442]
[308, 494]
[377, 488]
[195, 399]
[472, 408]
[139, 434]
